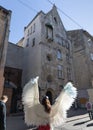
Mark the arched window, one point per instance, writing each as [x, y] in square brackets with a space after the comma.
[60, 72]
[59, 54]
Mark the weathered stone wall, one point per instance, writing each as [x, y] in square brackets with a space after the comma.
[15, 56]
[5, 16]
[82, 44]
[36, 61]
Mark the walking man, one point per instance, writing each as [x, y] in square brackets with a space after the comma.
[3, 100]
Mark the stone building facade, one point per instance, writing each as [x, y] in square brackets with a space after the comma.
[5, 17]
[13, 77]
[47, 50]
[82, 44]
[47, 53]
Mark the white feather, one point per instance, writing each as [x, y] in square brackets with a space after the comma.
[34, 111]
[63, 103]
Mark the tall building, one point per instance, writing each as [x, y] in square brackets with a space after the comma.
[47, 50]
[5, 17]
[82, 44]
[47, 53]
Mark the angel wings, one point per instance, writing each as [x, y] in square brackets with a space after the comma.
[34, 110]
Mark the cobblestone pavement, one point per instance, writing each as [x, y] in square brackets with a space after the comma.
[77, 120]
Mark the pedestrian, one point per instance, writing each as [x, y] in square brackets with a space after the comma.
[3, 101]
[89, 110]
[76, 104]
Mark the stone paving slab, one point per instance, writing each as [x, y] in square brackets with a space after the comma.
[79, 122]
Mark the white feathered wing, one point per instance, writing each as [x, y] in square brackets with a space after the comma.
[34, 111]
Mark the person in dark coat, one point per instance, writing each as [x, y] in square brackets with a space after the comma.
[3, 101]
[89, 110]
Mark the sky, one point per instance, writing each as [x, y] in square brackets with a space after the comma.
[75, 14]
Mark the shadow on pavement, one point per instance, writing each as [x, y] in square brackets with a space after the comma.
[80, 123]
[91, 124]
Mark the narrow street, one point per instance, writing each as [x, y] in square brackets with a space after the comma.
[80, 121]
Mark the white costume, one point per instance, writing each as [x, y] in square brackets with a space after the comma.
[34, 111]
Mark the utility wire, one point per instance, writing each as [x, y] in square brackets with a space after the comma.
[66, 15]
[51, 4]
[27, 6]
[70, 18]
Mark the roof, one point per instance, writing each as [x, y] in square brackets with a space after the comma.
[5, 10]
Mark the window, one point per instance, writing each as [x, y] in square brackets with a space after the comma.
[49, 32]
[55, 20]
[67, 45]
[91, 55]
[59, 54]
[60, 71]
[68, 73]
[34, 28]
[33, 42]
[68, 58]
[28, 33]
[27, 44]
[31, 30]
[89, 42]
